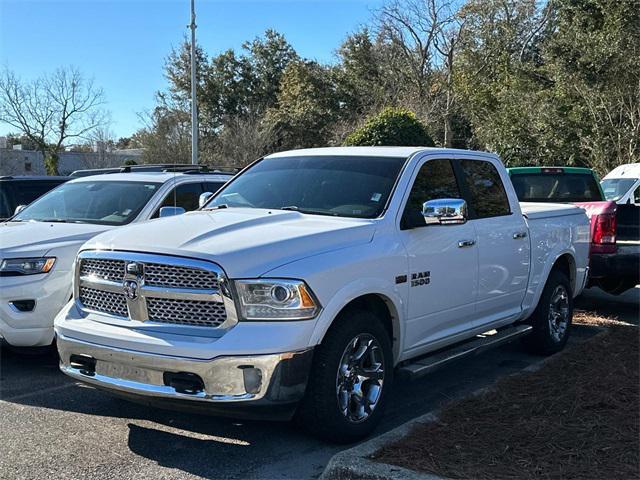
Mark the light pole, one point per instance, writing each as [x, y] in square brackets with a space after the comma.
[194, 100]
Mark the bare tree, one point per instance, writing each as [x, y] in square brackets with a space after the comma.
[52, 109]
[427, 33]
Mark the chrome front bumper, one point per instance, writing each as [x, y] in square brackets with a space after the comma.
[263, 379]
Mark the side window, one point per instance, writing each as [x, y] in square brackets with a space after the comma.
[213, 187]
[636, 196]
[434, 180]
[487, 196]
[185, 196]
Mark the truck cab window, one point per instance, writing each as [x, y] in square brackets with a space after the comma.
[434, 180]
[486, 191]
[185, 196]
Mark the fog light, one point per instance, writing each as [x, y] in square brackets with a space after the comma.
[252, 378]
[23, 305]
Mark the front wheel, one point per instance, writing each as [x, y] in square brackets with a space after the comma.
[552, 318]
[349, 382]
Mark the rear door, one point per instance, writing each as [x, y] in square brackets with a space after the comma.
[502, 242]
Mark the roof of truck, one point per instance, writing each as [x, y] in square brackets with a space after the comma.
[583, 170]
[630, 170]
[371, 151]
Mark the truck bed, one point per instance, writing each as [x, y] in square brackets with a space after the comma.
[533, 210]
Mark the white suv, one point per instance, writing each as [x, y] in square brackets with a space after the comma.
[39, 244]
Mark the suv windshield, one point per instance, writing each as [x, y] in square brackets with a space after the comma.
[345, 186]
[615, 188]
[556, 187]
[101, 202]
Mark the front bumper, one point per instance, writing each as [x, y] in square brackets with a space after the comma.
[232, 382]
[33, 328]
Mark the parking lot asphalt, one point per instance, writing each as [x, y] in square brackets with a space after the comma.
[51, 427]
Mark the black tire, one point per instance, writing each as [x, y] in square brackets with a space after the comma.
[615, 286]
[320, 412]
[549, 336]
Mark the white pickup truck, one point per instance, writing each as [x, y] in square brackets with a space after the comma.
[314, 276]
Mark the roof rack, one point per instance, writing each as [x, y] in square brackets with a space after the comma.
[158, 167]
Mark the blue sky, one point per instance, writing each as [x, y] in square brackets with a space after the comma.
[122, 44]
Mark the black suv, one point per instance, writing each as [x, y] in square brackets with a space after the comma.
[22, 190]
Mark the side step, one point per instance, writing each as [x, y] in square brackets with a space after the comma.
[430, 363]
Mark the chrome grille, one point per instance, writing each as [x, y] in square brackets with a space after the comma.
[186, 312]
[155, 288]
[112, 270]
[173, 276]
[101, 301]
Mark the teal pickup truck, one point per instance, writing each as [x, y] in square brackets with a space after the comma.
[615, 251]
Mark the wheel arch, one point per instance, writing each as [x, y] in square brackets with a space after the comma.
[382, 305]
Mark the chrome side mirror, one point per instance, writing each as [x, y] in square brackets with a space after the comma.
[445, 211]
[19, 208]
[204, 198]
[171, 211]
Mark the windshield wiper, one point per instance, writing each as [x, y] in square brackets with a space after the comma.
[217, 207]
[58, 220]
[311, 211]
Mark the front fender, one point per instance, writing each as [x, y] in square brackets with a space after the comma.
[360, 287]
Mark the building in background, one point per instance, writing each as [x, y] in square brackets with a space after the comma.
[16, 161]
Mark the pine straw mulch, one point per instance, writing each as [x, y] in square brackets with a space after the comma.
[578, 417]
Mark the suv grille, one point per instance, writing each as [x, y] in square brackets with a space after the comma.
[140, 287]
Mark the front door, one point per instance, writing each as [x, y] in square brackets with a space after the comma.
[443, 263]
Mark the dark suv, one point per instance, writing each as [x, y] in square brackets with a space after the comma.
[22, 190]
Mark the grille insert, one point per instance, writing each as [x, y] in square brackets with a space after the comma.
[175, 276]
[186, 312]
[112, 270]
[101, 301]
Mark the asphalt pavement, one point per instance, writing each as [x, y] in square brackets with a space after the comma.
[51, 427]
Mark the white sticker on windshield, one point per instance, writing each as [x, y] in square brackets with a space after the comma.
[376, 197]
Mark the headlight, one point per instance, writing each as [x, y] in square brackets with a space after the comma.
[26, 266]
[276, 300]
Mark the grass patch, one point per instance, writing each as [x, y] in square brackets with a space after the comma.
[578, 417]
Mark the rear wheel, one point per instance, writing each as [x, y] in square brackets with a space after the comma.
[349, 382]
[553, 316]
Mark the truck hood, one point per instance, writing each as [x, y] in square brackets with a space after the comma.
[245, 242]
[35, 239]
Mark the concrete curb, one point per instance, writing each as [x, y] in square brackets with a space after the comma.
[355, 463]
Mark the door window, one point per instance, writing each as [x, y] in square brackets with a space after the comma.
[185, 196]
[487, 197]
[435, 180]
[213, 187]
[636, 196]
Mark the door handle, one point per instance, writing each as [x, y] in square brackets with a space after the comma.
[519, 235]
[466, 243]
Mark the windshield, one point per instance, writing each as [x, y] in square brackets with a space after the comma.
[345, 186]
[100, 202]
[556, 187]
[615, 188]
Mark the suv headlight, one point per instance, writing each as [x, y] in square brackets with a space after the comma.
[26, 266]
[273, 299]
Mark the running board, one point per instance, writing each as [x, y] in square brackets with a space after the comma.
[432, 362]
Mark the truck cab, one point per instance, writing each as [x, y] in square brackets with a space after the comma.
[314, 276]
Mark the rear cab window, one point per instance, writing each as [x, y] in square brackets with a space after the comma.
[556, 185]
